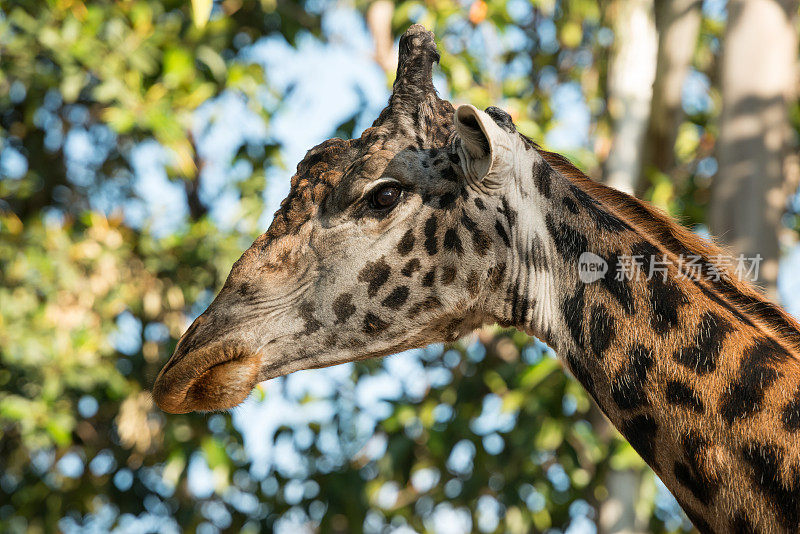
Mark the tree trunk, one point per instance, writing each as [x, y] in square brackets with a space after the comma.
[617, 510]
[191, 185]
[379, 21]
[756, 145]
[631, 73]
[678, 25]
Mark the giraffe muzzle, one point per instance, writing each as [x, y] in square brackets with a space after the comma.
[206, 375]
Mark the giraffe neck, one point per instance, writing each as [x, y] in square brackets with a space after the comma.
[706, 390]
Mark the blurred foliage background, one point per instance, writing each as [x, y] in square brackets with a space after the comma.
[143, 146]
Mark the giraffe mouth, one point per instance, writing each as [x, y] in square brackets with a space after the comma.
[214, 378]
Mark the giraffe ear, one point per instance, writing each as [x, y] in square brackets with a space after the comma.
[486, 148]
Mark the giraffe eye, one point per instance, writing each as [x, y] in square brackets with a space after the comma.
[385, 197]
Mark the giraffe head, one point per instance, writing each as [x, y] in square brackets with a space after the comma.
[384, 243]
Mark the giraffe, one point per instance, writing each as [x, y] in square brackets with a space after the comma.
[439, 220]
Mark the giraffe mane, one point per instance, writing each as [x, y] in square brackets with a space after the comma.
[738, 296]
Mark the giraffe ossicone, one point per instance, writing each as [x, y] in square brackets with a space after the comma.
[439, 220]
